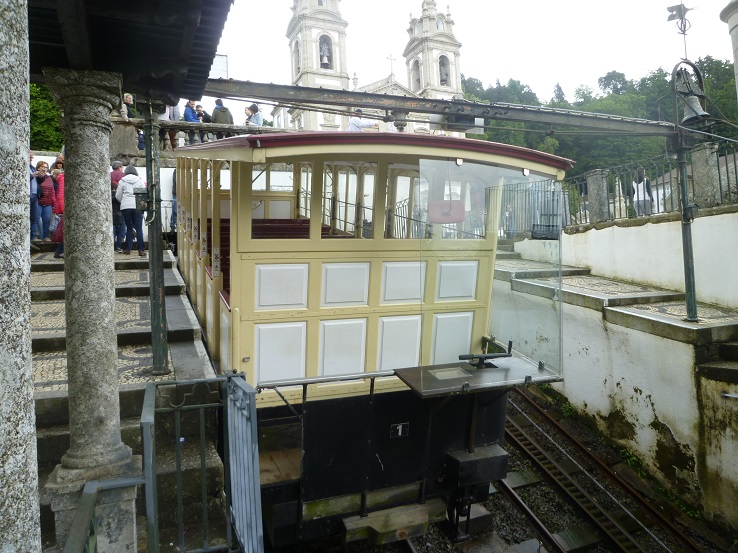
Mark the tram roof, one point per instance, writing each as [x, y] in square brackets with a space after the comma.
[391, 139]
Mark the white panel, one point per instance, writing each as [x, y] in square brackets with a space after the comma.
[345, 284]
[403, 282]
[451, 336]
[399, 342]
[279, 351]
[342, 346]
[457, 280]
[280, 209]
[281, 286]
[225, 350]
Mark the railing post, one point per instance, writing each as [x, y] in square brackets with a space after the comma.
[705, 175]
[598, 195]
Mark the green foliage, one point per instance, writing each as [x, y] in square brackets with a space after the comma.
[46, 133]
[648, 98]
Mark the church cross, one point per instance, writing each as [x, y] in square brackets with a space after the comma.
[392, 65]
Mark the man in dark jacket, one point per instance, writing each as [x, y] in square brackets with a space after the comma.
[221, 115]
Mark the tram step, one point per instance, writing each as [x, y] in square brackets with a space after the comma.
[395, 524]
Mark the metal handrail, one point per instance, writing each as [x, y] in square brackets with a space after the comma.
[82, 533]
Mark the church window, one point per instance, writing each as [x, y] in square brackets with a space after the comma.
[439, 23]
[325, 51]
[418, 27]
[296, 58]
[321, 2]
[415, 76]
[443, 71]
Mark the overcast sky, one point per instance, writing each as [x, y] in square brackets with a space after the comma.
[538, 42]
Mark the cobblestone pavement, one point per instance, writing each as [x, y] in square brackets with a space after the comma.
[123, 277]
[131, 313]
[135, 364]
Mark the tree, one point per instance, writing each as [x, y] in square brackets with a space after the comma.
[614, 83]
[559, 98]
[46, 133]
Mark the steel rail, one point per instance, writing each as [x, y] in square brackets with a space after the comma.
[597, 515]
[552, 544]
[590, 457]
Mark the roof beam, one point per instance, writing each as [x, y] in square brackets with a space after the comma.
[74, 25]
[300, 95]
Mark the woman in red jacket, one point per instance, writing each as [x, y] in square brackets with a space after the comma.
[58, 207]
[46, 196]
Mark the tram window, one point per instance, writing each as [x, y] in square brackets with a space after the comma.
[275, 200]
[348, 199]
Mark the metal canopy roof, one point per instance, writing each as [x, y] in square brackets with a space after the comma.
[163, 48]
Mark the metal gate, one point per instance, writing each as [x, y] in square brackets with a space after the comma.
[201, 466]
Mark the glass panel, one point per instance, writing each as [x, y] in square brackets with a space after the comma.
[463, 211]
[277, 202]
[348, 199]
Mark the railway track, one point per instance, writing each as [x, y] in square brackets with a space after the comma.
[636, 535]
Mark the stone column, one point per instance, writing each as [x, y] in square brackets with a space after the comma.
[705, 175]
[96, 450]
[730, 16]
[598, 196]
[19, 510]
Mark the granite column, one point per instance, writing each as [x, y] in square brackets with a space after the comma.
[96, 450]
[729, 15]
[19, 508]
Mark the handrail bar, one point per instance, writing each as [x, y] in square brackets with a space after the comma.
[321, 380]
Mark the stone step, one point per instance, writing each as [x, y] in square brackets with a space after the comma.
[53, 441]
[133, 316]
[501, 254]
[46, 262]
[729, 351]
[128, 282]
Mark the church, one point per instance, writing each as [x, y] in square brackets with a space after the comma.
[317, 43]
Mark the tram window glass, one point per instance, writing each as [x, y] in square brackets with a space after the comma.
[348, 198]
[275, 200]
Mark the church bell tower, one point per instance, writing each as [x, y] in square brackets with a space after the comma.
[317, 41]
[432, 54]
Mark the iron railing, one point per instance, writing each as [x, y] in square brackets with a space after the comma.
[528, 207]
[628, 201]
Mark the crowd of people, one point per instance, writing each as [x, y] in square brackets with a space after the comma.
[46, 194]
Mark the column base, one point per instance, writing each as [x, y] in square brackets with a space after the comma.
[115, 510]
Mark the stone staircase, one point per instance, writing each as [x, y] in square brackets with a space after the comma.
[187, 356]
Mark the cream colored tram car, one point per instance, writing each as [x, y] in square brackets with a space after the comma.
[325, 254]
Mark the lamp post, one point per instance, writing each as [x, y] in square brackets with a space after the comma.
[682, 88]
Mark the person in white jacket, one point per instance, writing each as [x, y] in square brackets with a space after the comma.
[133, 218]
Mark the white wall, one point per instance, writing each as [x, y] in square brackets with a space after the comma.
[652, 254]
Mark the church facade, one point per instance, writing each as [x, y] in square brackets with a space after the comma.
[317, 42]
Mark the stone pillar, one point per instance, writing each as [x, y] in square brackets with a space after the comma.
[96, 450]
[598, 196]
[730, 16]
[705, 175]
[19, 509]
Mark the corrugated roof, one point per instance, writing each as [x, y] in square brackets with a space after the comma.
[163, 48]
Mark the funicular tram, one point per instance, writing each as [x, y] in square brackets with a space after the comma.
[345, 274]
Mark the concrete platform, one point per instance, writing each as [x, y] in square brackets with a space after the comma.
[633, 305]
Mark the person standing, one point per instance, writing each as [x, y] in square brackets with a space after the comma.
[253, 117]
[133, 218]
[128, 106]
[34, 215]
[221, 116]
[119, 226]
[357, 124]
[643, 193]
[46, 197]
[204, 117]
[190, 115]
[58, 207]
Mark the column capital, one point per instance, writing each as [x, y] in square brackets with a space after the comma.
[86, 97]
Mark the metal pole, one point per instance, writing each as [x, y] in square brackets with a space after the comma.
[689, 285]
[159, 344]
